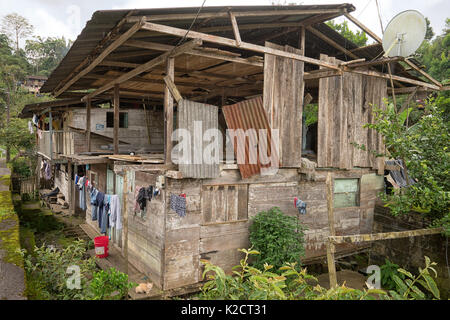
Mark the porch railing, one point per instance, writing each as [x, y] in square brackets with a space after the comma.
[55, 144]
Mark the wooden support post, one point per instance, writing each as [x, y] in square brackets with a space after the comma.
[168, 112]
[302, 41]
[88, 124]
[116, 118]
[50, 129]
[330, 245]
[74, 190]
[125, 219]
[234, 24]
[71, 186]
[173, 89]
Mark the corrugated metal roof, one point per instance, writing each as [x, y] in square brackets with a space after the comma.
[198, 118]
[245, 115]
[102, 22]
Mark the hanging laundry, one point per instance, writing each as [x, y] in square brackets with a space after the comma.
[144, 195]
[115, 217]
[105, 224]
[82, 197]
[100, 205]
[35, 120]
[94, 207]
[39, 133]
[178, 204]
[47, 171]
[30, 127]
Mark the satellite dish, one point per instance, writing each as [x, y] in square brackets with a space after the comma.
[404, 34]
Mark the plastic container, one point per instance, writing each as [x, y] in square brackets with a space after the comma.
[101, 246]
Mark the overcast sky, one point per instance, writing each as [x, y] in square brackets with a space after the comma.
[68, 17]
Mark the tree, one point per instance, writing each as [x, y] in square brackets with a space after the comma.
[430, 33]
[425, 150]
[16, 27]
[46, 54]
[359, 37]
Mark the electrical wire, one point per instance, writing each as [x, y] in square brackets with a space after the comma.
[368, 2]
[182, 40]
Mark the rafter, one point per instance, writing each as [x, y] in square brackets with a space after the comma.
[147, 66]
[117, 43]
[232, 43]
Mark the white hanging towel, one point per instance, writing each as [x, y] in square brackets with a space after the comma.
[116, 216]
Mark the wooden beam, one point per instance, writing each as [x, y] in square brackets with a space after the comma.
[375, 62]
[319, 74]
[206, 15]
[388, 77]
[363, 27]
[302, 41]
[116, 118]
[351, 62]
[88, 124]
[146, 66]
[201, 52]
[384, 236]
[426, 75]
[232, 43]
[117, 43]
[236, 32]
[330, 245]
[173, 88]
[168, 113]
[334, 44]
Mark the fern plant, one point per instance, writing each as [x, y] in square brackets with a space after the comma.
[388, 271]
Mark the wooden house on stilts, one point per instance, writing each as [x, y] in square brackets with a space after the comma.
[133, 77]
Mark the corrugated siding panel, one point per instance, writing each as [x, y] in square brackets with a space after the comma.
[245, 115]
[283, 102]
[188, 113]
[345, 105]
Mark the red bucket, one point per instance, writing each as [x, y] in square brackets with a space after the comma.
[101, 246]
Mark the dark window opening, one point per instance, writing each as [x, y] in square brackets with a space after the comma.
[123, 120]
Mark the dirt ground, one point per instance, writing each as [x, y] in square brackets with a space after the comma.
[351, 278]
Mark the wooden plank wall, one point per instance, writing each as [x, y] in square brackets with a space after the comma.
[345, 105]
[136, 134]
[189, 113]
[182, 235]
[264, 196]
[283, 101]
[146, 235]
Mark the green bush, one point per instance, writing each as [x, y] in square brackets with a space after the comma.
[290, 283]
[48, 267]
[21, 167]
[46, 271]
[277, 237]
[110, 285]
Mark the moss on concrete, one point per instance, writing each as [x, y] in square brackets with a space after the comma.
[9, 227]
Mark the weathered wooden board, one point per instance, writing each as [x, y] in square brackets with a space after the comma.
[224, 203]
[283, 102]
[346, 104]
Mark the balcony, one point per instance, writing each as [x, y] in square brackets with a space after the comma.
[55, 144]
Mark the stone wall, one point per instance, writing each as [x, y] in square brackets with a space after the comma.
[409, 252]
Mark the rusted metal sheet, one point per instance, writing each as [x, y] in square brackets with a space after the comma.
[197, 118]
[246, 115]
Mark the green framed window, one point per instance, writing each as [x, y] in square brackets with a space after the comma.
[123, 120]
[346, 193]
